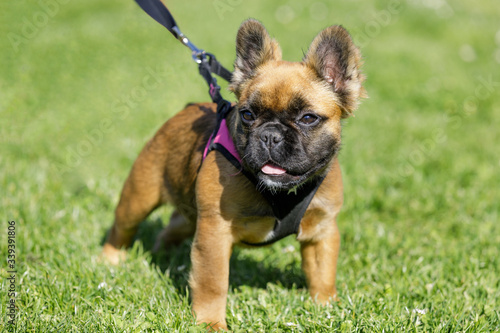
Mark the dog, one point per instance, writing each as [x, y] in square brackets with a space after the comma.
[286, 126]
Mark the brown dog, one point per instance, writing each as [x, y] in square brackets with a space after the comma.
[286, 126]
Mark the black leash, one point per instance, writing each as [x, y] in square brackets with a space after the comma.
[288, 208]
[207, 63]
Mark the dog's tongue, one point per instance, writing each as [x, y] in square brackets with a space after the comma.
[270, 169]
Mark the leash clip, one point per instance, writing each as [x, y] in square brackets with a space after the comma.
[197, 54]
[160, 13]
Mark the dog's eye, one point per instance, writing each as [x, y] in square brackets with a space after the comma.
[247, 115]
[309, 119]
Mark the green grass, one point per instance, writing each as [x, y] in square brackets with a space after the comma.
[420, 226]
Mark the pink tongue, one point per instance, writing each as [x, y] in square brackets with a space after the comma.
[270, 169]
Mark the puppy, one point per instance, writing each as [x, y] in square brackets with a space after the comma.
[286, 126]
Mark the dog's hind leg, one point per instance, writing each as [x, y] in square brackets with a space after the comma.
[177, 231]
[141, 194]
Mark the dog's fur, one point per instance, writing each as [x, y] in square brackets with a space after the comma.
[277, 101]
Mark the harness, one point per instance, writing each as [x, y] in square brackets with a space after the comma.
[288, 207]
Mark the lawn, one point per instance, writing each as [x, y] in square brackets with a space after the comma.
[420, 226]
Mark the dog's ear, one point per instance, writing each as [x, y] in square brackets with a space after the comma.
[337, 61]
[254, 47]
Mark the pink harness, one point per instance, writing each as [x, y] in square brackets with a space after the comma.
[223, 138]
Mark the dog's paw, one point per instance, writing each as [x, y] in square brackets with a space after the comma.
[218, 327]
[325, 300]
[112, 255]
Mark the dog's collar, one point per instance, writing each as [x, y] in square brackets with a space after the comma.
[288, 207]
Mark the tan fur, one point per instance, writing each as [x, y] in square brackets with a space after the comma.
[349, 79]
[215, 202]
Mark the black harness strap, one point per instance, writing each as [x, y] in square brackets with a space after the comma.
[288, 208]
[204, 68]
[218, 69]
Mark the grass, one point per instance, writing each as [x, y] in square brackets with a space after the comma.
[420, 226]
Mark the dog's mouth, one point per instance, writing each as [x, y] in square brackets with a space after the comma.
[271, 169]
[276, 177]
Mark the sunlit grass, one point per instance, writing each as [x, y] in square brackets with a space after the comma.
[420, 232]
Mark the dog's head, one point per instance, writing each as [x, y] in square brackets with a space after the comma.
[287, 125]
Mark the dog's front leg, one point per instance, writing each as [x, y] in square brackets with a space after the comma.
[319, 263]
[209, 280]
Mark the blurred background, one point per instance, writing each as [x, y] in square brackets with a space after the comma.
[84, 85]
[75, 102]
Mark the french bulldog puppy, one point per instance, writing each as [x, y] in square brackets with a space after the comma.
[286, 126]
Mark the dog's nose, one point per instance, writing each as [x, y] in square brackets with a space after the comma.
[271, 137]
